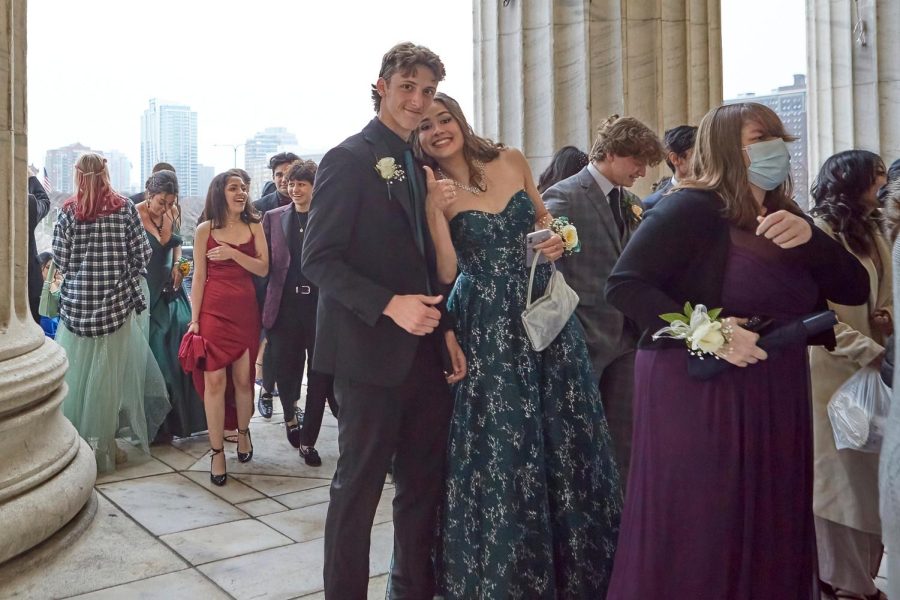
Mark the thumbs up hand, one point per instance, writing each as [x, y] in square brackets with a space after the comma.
[441, 192]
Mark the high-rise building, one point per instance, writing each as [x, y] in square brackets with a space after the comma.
[60, 165]
[259, 149]
[119, 167]
[169, 134]
[789, 103]
[205, 177]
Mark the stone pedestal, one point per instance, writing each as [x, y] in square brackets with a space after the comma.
[547, 73]
[854, 80]
[46, 471]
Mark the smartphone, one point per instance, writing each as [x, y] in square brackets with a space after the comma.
[532, 239]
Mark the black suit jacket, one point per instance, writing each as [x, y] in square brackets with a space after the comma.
[269, 201]
[360, 250]
[679, 255]
[38, 207]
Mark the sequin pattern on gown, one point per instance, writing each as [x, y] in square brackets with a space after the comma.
[533, 499]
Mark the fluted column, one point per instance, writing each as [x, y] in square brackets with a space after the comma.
[854, 79]
[548, 72]
[46, 471]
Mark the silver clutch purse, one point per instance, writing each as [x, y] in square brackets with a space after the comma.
[545, 317]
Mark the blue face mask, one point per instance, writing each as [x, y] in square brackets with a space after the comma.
[770, 163]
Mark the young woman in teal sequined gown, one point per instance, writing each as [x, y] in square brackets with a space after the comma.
[532, 497]
[170, 311]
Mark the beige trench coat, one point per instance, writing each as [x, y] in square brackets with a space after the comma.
[845, 488]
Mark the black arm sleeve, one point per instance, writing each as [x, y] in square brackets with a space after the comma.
[336, 207]
[662, 248]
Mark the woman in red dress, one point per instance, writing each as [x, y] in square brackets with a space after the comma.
[224, 310]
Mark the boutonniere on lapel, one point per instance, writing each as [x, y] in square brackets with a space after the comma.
[390, 171]
[633, 209]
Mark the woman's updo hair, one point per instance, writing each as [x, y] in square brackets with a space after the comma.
[162, 182]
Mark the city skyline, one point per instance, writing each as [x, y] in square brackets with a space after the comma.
[315, 84]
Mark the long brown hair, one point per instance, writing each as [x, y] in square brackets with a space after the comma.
[474, 147]
[215, 210]
[718, 162]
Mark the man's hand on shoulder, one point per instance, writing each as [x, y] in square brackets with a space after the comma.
[414, 313]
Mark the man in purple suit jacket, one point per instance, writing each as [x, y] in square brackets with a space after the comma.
[289, 315]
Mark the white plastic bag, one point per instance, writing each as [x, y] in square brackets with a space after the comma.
[858, 411]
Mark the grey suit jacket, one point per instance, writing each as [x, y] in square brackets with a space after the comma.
[580, 199]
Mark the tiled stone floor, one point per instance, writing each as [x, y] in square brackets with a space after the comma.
[163, 531]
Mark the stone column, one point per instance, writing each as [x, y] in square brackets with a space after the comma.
[854, 77]
[547, 73]
[46, 471]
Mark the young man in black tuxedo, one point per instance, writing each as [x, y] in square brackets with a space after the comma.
[386, 337]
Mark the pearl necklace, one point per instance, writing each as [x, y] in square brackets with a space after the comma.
[480, 186]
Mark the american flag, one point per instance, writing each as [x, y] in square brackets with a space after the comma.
[45, 181]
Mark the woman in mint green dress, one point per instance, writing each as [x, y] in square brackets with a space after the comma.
[170, 311]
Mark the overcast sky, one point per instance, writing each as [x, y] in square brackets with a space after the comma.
[302, 64]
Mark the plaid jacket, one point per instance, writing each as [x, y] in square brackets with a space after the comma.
[102, 263]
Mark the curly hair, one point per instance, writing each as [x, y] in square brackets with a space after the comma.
[838, 191]
[404, 58]
[626, 136]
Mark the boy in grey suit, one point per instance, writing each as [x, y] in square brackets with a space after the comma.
[606, 215]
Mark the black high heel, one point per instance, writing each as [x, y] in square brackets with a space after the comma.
[245, 456]
[218, 480]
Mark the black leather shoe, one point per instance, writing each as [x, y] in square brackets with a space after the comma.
[311, 456]
[245, 456]
[293, 433]
[264, 404]
[218, 480]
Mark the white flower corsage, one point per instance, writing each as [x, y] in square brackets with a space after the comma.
[389, 170]
[701, 330]
[564, 229]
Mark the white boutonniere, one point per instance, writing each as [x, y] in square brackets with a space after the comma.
[389, 170]
[702, 331]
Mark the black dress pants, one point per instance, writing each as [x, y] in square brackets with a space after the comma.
[268, 365]
[410, 423]
[292, 341]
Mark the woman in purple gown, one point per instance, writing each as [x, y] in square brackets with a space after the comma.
[719, 504]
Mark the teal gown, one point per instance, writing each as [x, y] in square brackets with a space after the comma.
[533, 499]
[168, 323]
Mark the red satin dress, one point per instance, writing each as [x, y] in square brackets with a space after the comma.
[229, 321]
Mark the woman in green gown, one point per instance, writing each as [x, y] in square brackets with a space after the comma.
[170, 311]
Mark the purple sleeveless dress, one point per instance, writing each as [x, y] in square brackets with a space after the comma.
[719, 501]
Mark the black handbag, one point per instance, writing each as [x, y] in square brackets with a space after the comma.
[170, 292]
